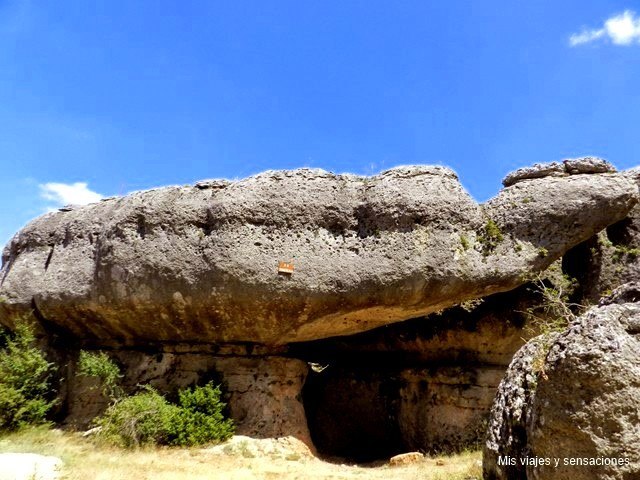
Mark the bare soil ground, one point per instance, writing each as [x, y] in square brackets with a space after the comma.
[85, 459]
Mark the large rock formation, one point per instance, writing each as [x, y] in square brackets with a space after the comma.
[181, 283]
[575, 397]
[609, 259]
[199, 264]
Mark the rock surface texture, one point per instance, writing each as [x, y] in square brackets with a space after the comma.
[29, 466]
[571, 166]
[200, 264]
[610, 259]
[582, 401]
[264, 393]
[181, 285]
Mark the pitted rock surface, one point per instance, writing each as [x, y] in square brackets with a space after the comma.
[582, 401]
[575, 166]
[570, 166]
[199, 264]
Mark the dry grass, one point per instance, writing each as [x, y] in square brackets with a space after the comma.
[86, 460]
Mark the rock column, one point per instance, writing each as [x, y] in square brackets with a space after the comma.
[265, 396]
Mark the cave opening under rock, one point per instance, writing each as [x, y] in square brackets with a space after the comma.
[351, 416]
[365, 413]
[425, 384]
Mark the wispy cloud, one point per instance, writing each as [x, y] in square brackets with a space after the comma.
[68, 194]
[622, 29]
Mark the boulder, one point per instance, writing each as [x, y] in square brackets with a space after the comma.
[200, 264]
[406, 459]
[185, 284]
[538, 170]
[29, 466]
[287, 448]
[587, 165]
[570, 166]
[575, 397]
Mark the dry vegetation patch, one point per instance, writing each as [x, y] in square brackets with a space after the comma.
[84, 459]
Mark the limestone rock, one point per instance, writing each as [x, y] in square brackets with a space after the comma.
[266, 396]
[587, 165]
[288, 448]
[212, 184]
[586, 404]
[538, 170]
[406, 459]
[29, 466]
[85, 401]
[570, 166]
[610, 259]
[199, 264]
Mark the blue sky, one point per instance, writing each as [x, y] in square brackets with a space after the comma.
[106, 97]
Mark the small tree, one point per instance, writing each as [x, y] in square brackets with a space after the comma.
[553, 314]
[200, 418]
[555, 311]
[100, 366]
[25, 378]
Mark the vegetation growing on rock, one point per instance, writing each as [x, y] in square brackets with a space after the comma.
[490, 236]
[102, 367]
[147, 417]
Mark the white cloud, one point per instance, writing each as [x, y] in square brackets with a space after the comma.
[68, 194]
[585, 37]
[622, 29]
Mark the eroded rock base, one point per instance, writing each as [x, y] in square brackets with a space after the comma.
[264, 392]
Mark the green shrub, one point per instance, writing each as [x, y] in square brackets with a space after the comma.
[201, 419]
[623, 252]
[464, 241]
[25, 377]
[140, 419]
[490, 236]
[148, 418]
[100, 366]
[493, 231]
